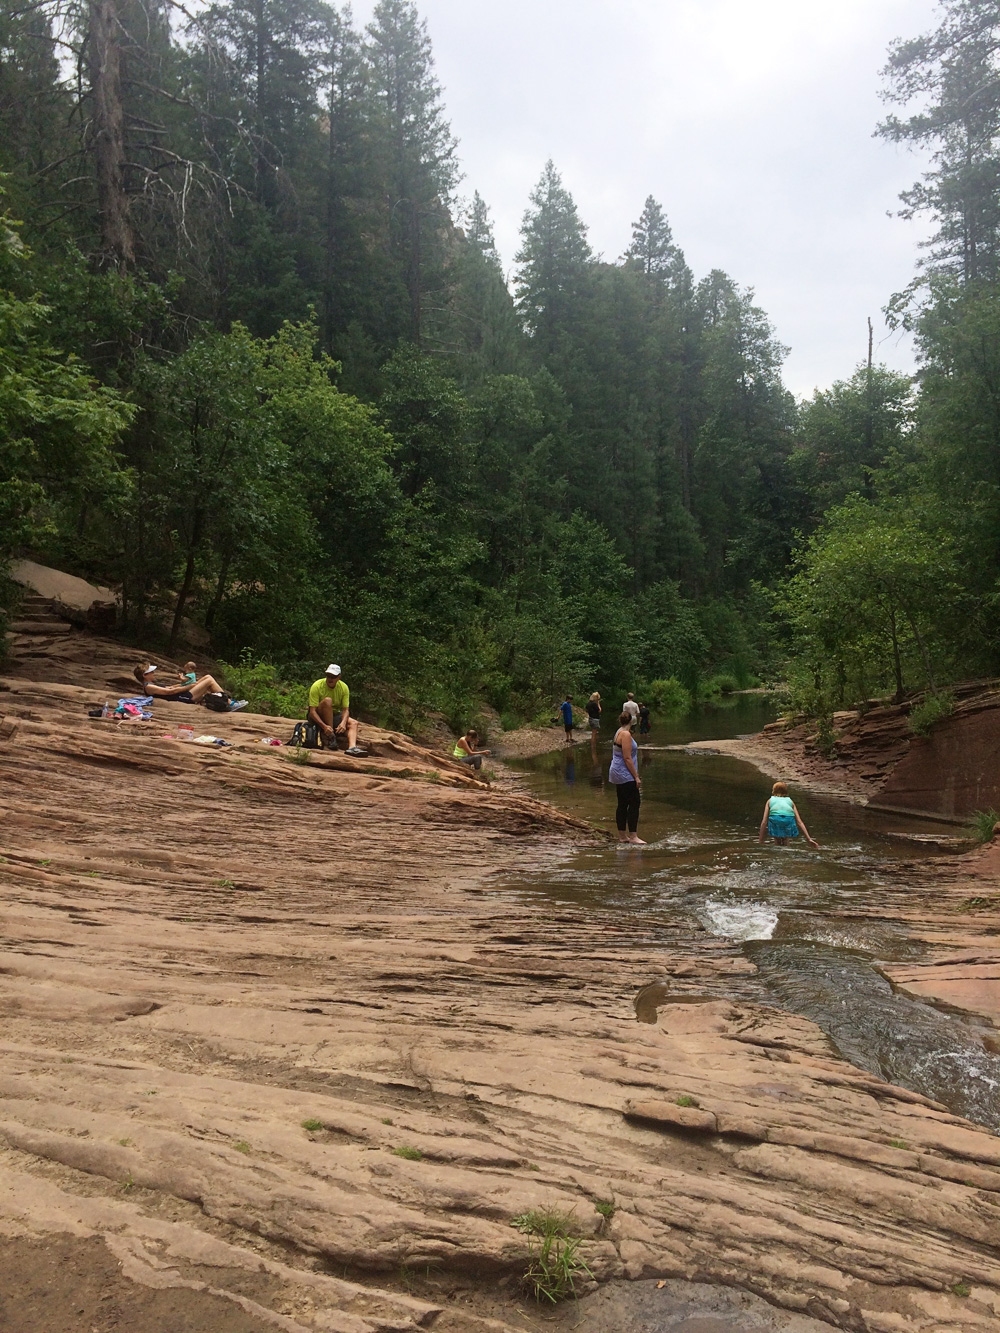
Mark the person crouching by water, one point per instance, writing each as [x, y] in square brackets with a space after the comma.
[781, 819]
[330, 709]
[467, 750]
[625, 776]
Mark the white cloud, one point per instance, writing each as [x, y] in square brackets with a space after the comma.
[750, 120]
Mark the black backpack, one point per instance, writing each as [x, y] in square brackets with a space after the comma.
[218, 701]
[305, 735]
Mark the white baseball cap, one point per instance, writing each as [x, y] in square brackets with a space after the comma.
[333, 669]
[149, 670]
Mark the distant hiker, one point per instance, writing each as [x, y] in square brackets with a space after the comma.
[330, 709]
[467, 750]
[193, 693]
[625, 777]
[643, 719]
[781, 819]
[566, 708]
[594, 721]
[631, 707]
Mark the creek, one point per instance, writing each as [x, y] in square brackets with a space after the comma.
[816, 925]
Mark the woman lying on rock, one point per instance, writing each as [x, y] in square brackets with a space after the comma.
[184, 693]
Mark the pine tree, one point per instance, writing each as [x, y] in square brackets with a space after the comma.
[652, 250]
[345, 266]
[485, 334]
[416, 153]
[957, 70]
[553, 261]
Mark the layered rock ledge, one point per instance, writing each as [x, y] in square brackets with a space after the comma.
[234, 988]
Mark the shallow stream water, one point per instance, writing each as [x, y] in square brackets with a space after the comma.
[804, 918]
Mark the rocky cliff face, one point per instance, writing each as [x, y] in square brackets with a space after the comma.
[950, 773]
[953, 771]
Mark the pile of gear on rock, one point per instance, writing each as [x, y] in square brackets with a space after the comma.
[328, 721]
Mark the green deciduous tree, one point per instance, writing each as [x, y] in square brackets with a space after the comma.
[873, 602]
[59, 430]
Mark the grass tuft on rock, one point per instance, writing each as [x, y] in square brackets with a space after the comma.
[411, 1154]
[555, 1265]
[982, 824]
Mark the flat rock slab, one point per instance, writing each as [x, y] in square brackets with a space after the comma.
[296, 1035]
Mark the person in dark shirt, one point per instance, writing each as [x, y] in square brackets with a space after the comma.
[643, 719]
[566, 708]
[594, 721]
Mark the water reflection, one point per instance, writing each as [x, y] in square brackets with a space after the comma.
[804, 918]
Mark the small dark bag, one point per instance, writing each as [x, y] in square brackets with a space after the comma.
[305, 735]
[218, 701]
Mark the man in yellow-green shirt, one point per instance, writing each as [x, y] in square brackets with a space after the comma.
[330, 709]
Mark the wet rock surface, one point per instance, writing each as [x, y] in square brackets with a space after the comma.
[274, 1036]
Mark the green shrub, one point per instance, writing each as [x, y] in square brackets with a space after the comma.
[721, 683]
[265, 692]
[554, 1263]
[931, 709]
[509, 721]
[667, 696]
[826, 740]
[982, 824]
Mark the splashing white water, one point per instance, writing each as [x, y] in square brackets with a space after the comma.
[739, 920]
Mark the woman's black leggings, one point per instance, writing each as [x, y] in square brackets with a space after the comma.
[627, 814]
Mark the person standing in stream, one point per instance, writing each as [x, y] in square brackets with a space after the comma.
[594, 722]
[566, 708]
[625, 777]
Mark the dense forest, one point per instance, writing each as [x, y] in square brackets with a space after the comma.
[261, 369]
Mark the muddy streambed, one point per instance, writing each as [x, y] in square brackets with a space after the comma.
[810, 922]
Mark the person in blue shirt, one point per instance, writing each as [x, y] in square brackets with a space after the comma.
[566, 708]
[781, 819]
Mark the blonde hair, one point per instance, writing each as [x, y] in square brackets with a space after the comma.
[595, 698]
[779, 789]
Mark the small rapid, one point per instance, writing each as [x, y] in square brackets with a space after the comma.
[818, 926]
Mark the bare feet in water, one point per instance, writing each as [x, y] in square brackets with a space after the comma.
[635, 840]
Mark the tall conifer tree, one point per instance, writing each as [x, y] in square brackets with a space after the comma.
[416, 150]
[552, 261]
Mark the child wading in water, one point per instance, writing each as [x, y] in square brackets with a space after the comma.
[781, 819]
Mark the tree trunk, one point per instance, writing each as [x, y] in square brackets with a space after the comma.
[182, 597]
[108, 134]
[220, 592]
[869, 418]
[414, 273]
[896, 661]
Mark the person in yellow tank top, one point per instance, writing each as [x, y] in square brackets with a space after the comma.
[467, 750]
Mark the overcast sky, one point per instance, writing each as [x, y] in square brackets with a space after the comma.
[749, 120]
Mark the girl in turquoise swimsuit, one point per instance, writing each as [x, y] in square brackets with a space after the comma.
[781, 819]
